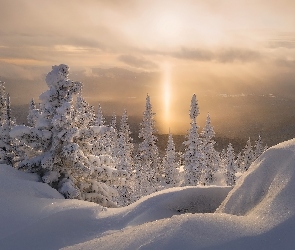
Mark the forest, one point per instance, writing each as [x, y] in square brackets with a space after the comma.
[68, 144]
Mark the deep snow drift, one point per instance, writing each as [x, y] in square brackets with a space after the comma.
[259, 213]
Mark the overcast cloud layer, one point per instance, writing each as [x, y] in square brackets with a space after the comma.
[211, 47]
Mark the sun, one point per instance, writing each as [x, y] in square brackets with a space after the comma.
[168, 26]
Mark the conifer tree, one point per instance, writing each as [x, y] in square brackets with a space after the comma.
[258, 148]
[6, 124]
[114, 121]
[114, 137]
[240, 161]
[148, 167]
[100, 120]
[170, 165]
[33, 114]
[211, 156]
[10, 120]
[84, 114]
[231, 168]
[63, 161]
[193, 156]
[125, 162]
[248, 155]
[3, 104]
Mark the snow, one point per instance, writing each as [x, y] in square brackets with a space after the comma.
[19, 131]
[258, 213]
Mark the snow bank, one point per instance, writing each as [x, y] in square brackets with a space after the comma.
[35, 216]
[267, 190]
[170, 202]
[38, 217]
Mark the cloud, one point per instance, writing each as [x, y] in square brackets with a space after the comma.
[236, 54]
[227, 55]
[138, 62]
[194, 54]
[288, 44]
[285, 63]
[282, 40]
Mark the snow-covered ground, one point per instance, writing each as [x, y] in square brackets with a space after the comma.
[258, 213]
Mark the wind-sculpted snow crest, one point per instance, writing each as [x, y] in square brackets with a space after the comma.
[268, 188]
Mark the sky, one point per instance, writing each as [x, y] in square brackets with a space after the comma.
[124, 50]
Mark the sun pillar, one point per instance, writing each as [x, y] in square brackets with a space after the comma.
[166, 96]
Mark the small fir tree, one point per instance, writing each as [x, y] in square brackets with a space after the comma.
[240, 161]
[6, 123]
[148, 168]
[231, 167]
[100, 120]
[193, 156]
[170, 165]
[248, 155]
[211, 156]
[258, 148]
[33, 114]
[125, 162]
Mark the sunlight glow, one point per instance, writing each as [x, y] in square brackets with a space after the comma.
[166, 94]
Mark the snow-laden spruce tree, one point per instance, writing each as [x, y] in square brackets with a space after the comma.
[240, 161]
[258, 148]
[6, 124]
[114, 137]
[125, 162]
[33, 114]
[211, 156]
[193, 155]
[84, 114]
[170, 164]
[100, 120]
[103, 143]
[22, 150]
[248, 156]
[230, 168]
[63, 161]
[148, 169]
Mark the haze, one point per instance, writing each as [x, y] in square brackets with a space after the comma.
[122, 50]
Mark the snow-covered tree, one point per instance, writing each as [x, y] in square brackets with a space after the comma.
[248, 155]
[170, 164]
[240, 161]
[193, 156]
[6, 123]
[63, 161]
[114, 136]
[194, 110]
[84, 114]
[211, 156]
[105, 143]
[258, 148]
[230, 167]
[114, 121]
[100, 120]
[125, 162]
[148, 168]
[11, 121]
[33, 114]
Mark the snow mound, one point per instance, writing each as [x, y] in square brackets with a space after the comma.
[35, 216]
[38, 217]
[173, 201]
[268, 188]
